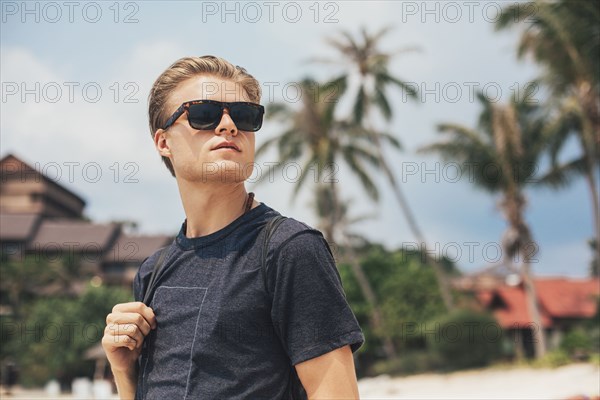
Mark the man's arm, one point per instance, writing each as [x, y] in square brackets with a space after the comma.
[126, 327]
[126, 382]
[329, 376]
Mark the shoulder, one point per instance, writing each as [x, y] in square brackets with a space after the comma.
[293, 239]
[292, 230]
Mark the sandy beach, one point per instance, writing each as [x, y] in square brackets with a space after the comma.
[511, 383]
[581, 381]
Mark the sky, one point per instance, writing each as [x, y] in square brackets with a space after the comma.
[76, 76]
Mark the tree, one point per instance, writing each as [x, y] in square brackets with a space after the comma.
[502, 153]
[59, 331]
[371, 67]
[23, 278]
[564, 38]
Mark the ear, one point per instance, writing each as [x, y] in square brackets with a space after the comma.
[160, 142]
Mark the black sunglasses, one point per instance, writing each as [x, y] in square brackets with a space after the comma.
[207, 114]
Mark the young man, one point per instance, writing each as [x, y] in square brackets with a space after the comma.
[218, 325]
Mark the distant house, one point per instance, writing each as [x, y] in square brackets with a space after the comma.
[87, 242]
[38, 216]
[16, 231]
[564, 303]
[26, 190]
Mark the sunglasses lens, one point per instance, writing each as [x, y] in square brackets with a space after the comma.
[246, 117]
[204, 116]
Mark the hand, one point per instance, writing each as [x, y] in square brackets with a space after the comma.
[126, 327]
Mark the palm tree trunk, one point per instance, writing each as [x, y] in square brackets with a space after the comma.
[591, 182]
[508, 144]
[513, 210]
[440, 274]
[588, 138]
[538, 333]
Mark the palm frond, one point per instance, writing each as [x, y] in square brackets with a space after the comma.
[560, 176]
[358, 169]
[359, 105]
[304, 173]
[410, 90]
[382, 103]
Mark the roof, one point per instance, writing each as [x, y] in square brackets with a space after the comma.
[509, 307]
[18, 227]
[136, 248]
[73, 234]
[557, 297]
[569, 298]
[11, 165]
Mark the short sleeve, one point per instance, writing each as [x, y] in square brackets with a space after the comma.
[309, 311]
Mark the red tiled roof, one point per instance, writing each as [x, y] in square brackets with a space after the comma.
[509, 306]
[557, 297]
[566, 298]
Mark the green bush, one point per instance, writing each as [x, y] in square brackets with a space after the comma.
[576, 343]
[465, 339]
[552, 359]
[407, 295]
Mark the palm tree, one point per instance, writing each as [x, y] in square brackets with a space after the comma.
[370, 66]
[317, 139]
[564, 37]
[508, 139]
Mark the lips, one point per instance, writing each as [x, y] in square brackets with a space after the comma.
[227, 145]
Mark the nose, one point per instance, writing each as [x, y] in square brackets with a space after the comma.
[226, 125]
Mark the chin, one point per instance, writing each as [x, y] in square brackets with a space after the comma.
[224, 171]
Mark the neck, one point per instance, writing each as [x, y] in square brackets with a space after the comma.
[210, 206]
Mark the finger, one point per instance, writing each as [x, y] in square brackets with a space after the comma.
[130, 330]
[129, 318]
[137, 307]
[112, 343]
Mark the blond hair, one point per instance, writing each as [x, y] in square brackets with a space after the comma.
[186, 68]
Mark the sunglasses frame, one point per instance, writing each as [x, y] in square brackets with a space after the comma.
[185, 107]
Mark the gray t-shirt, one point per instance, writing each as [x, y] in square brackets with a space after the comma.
[221, 334]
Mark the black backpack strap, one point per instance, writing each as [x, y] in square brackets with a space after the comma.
[157, 267]
[269, 230]
[296, 390]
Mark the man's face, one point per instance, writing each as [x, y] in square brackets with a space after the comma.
[194, 153]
